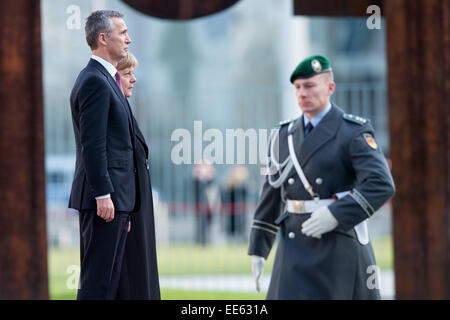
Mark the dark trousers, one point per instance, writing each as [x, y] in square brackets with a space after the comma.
[102, 247]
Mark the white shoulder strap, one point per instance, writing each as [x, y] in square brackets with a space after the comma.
[298, 168]
[273, 163]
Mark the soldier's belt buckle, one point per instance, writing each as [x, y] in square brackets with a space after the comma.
[298, 206]
[306, 206]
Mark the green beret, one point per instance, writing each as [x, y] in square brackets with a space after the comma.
[310, 67]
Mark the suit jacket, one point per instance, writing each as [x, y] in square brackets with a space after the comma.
[105, 142]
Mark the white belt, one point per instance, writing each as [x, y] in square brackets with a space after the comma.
[306, 206]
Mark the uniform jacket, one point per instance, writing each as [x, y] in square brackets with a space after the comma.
[338, 155]
[105, 141]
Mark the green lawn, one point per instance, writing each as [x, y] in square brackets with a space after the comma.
[171, 294]
[384, 252]
[187, 260]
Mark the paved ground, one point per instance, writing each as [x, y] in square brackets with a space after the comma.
[245, 283]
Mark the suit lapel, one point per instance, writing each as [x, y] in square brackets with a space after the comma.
[114, 86]
[325, 131]
[316, 139]
[119, 93]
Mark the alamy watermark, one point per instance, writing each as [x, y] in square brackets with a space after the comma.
[373, 280]
[73, 21]
[374, 20]
[234, 146]
[72, 282]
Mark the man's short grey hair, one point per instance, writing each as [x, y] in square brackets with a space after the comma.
[98, 22]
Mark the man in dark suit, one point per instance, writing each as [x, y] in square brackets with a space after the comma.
[330, 176]
[104, 186]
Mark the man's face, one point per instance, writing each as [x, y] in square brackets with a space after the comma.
[313, 94]
[118, 40]
[128, 79]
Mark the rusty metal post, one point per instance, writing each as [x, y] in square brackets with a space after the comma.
[418, 43]
[332, 8]
[418, 39]
[23, 242]
[180, 9]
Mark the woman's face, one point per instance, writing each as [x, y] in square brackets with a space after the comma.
[128, 79]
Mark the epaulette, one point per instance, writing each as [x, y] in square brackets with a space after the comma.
[284, 122]
[355, 119]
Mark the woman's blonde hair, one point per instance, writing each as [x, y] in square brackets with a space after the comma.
[129, 61]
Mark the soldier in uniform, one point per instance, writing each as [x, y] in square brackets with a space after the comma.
[326, 177]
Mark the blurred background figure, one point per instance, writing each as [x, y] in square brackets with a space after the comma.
[234, 203]
[205, 199]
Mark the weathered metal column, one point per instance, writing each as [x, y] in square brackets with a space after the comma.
[418, 39]
[23, 242]
[180, 9]
[418, 43]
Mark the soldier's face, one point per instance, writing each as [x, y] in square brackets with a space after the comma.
[313, 94]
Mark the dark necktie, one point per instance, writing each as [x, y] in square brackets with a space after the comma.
[308, 128]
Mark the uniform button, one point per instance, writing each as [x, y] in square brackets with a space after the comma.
[319, 181]
[291, 181]
[291, 235]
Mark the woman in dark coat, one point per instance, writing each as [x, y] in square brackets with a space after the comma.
[139, 275]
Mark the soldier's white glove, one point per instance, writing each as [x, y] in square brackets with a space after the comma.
[320, 222]
[257, 269]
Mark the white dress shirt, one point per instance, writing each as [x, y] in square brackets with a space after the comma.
[315, 121]
[108, 66]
